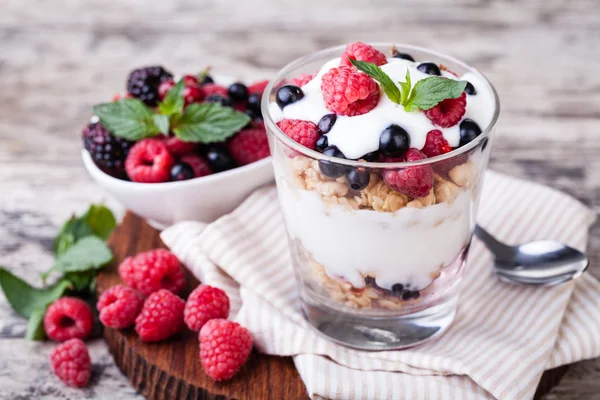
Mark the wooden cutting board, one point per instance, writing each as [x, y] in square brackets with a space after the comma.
[172, 370]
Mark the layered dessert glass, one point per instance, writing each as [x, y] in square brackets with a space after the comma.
[379, 192]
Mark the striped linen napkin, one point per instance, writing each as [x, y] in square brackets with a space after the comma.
[503, 337]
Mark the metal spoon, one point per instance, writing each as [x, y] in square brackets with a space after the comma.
[539, 263]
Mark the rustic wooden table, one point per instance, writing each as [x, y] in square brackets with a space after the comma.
[58, 57]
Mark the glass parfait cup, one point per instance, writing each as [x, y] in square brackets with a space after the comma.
[377, 269]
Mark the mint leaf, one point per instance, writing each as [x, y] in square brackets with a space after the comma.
[127, 118]
[71, 231]
[24, 298]
[100, 220]
[35, 325]
[81, 280]
[405, 86]
[428, 92]
[173, 101]
[88, 253]
[389, 87]
[208, 123]
[162, 123]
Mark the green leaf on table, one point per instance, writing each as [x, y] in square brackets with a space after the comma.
[128, 118]
[173, 101]
[81, 280]
[71, 231]
[35, 325]
[208, 123]
[388, 85]
[100, 220]
[89, 253]
[429, 92]
[24, 298]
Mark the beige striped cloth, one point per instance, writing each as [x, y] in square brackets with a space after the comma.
[502, 340]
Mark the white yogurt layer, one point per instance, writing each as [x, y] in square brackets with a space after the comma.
[359, 135]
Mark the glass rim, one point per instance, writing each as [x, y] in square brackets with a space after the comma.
[272, 128]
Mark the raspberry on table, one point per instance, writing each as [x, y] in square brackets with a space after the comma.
[153, 270]
[258, 87]
[347, 91]
[301, 80]
[143, 83]
[249, 145]
[149, 161]
[71, 363]
[107, 151]
[448, 112]
[161, 316]
[362, 52]
[414, 181]
[435, 144]
[212, 89]
[224, 348]
[199, 165]
[304, 132]
[177, 147]
[119, 306]
[203, 304]
[68, 318]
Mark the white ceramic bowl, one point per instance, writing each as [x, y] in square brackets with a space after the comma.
[200, 199]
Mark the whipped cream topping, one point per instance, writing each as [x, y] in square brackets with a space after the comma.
[359, 135]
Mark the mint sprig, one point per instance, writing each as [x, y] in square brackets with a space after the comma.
[424, 95]
[127, 118]
[208, 123]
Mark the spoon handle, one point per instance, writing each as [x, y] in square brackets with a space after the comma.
[501, 251]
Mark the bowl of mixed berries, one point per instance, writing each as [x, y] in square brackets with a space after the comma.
[179, 149]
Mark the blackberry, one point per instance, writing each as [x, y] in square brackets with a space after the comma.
[143, 83]
[107, 151]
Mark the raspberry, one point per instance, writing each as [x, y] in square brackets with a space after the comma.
[143, 83]
[198, 164]
[301, 80]
[203, 304]
[71, 363]
[164, 88]
[258, 87]
[161, 316]
[448, 112]
[347, 91]
[149, 161]
[190, 80]
[224, 348]
[212, 89]
[249, 145]
[412, 181]
[153, 270]
[304, 132]
[107, 151]
[362, 52]
[178, 147]
[435, 144]
[68, 318]
[192, 94]
[119, 306]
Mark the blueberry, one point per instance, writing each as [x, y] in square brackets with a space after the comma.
[403, 56]
[217, 98]
[331, 169]
[429, 68]
[219, 158]
[326, 123]
[181, 171]
[253, 114]
[469, 130]
[398, 288]
[371, 157]
[470, 89]
[254, 103]
[287, 95]
[394, 141]
[238, 92]
[322, 143]
[410, 295]
[207, 79]
[358, 178]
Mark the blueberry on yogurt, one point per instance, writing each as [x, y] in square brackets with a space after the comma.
[429, 68]
[287, 95]
[469, 130]
[394, 141]
[470, 89]
[326, 123]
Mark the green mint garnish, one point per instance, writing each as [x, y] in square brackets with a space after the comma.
[208, 123]
[127, 118]
[173, 101]
[424, 95]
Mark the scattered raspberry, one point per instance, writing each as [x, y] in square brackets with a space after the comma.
[435, 144]
[119, 306]
[192, 94]
[347, 91]
[258, 87]
[211, 89]
[301, 80]
[203, 304]
[198, 164]
[304, 132]
[153, 270]
[224, 348]
[412, 181]
[161, 316]
[249, 145]
[71, 363]
[68, 318]
[448, 112]
[362, 52]
[149, 161]
[178, 147]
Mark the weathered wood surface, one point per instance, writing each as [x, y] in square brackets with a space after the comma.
[58, 57]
